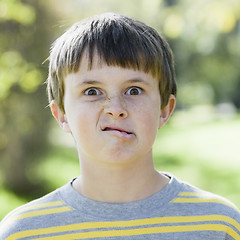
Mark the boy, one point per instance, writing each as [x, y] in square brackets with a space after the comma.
[111, 85]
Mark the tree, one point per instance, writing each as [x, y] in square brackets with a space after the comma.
[23, 124]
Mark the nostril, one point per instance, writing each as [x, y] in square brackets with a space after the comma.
[116, 112]
[115, 107]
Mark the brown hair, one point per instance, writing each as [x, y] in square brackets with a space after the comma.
[119, 41]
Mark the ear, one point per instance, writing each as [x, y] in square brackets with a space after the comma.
[167, 110]
[59, 116]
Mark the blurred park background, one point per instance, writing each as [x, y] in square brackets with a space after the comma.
[201, 142]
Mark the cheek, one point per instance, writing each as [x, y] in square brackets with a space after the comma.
[82, 120]
[149, 119]
[149, 111]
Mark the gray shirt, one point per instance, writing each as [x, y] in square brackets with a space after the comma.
[179, 211]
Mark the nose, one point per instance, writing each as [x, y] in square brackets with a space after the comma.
[115, 107]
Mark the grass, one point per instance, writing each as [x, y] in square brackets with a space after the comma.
[205, 153]
[201, 150]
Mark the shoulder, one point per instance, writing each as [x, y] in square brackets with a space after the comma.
[21, 219]
[205, 207]
[191, 194]
[186, 195]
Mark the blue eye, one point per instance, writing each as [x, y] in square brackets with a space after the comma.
[134, 91]
[92, 92]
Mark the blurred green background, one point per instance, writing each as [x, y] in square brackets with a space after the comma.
[200, 144]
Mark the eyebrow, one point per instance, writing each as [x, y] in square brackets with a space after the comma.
[90, 82]
[137, 80]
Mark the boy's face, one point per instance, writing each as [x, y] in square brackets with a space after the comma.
[113, 113]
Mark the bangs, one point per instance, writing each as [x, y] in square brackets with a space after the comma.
[123, 49]
[116, 42]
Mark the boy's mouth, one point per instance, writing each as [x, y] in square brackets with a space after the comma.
[116, 130]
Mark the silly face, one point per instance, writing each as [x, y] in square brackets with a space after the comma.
[113, 113]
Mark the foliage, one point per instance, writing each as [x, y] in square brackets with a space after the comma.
[23, 128]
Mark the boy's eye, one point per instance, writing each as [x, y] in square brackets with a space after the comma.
[134, 91]
[92, 92]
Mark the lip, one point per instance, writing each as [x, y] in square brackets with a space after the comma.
[118, 131]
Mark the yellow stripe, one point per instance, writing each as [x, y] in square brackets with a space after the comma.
[37, 206]
[206, 196]
[43, 212]
[43, 205]
[142, 231]
[200, 200]
[22, 209]
[117, 224]
[193, 194]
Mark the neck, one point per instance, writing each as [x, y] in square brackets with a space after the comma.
[119, 184]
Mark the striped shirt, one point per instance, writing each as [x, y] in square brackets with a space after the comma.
[179, 211]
